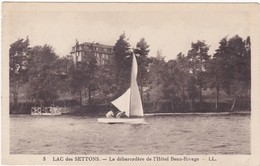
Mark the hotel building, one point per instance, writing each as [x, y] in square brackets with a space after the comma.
[80, 52]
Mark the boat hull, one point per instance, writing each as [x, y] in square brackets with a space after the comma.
[122, 120]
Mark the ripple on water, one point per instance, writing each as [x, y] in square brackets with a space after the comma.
[184, 134]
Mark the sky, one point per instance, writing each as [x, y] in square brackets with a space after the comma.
[167, 27]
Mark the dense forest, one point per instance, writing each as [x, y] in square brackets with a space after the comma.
[193, 82]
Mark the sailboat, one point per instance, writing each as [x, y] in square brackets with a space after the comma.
[130, 102]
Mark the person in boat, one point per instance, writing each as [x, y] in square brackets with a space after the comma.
[121, 115]
[115, 113]
[110, 114]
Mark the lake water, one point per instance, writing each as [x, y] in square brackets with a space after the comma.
[178, 134]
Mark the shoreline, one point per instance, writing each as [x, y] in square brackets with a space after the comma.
[159, 114]
[197, 113]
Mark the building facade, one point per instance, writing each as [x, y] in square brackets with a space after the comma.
[80, 52]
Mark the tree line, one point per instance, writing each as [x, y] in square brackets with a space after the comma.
[195, 81]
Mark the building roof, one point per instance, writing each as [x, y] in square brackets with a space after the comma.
[97, 45]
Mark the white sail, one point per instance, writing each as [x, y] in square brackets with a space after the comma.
[136, 108]
[130, 102]
[123, 102]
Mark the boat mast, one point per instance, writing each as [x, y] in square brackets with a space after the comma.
[131, 82]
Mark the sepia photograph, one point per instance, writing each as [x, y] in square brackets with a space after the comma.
[129, 82]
